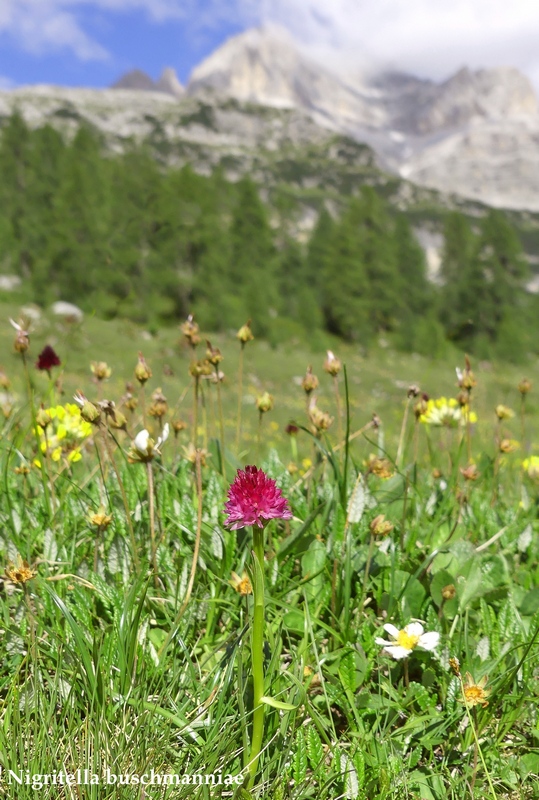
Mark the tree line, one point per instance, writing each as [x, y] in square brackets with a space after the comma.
[120, 235]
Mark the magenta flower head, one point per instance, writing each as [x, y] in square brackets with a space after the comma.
[47, 359]
[254, 499]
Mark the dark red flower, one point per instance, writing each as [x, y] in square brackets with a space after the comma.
[254, 499]
[47, 359]
[292, 429]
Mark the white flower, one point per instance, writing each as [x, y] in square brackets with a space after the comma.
[144, 448]
[407, 639]
[141, 441]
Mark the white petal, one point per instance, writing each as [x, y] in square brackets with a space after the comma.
[391, 629]
[79, 399]
[164, 436]
[140, 442]
[429, 641]
[383, 642]
[414, 629]
[15, 325]
[398, 652]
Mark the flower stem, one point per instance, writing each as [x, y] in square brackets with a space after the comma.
[400, 448]
[221, 422]
[151, 507]
[108, 448]
[240, 397]
[257, 652]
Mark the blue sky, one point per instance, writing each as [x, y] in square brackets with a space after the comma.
[96, 42]
[93, 42]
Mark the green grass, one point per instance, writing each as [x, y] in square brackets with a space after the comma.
[103, 669]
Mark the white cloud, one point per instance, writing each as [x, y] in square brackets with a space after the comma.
[432, 38]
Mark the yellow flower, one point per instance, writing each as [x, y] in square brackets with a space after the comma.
[443, 412]
[22, 572]
[531, 467]
[509, 445]
[504, 412]
[475, 694]
[64, 433]
[100, 519]
[381, 467]
[241, 585]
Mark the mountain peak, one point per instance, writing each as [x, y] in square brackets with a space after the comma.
[138, 80]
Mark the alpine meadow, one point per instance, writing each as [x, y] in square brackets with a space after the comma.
[269, 493]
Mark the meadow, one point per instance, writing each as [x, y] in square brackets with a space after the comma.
[359, 620]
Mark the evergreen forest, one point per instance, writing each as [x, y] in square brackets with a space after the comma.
[120, 235]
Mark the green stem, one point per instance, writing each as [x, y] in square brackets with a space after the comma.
[257, 652]
[151, 507]
[240, 398]
[221, 422]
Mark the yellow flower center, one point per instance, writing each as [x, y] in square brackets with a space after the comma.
[407, 640]
[475, 695]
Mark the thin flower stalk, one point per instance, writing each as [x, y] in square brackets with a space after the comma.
[253, 500]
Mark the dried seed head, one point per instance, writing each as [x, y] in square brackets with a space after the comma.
[413, 390]
[504, 412]
[100, 519]
[213, 354]
[245, 333]
[470, 473]
[264, 402]
[332, 364]
[310, 381]
[21, 572]
[524, 387]
[88, 411]
[142, 371]
[190, 330]
[101, 370]
[380, 526]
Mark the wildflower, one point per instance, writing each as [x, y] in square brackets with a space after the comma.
[449, 592]
[380, 526]
[22, 572]
[508, 445]
[191, 453]
[143, 372]
[264, 402]
[310, 381]
[320, 420]
[217, 377]
[245, 333]
[47, 359]
[100, 519]
[101, 370]
[470, 473]
[88, 411]
[375, 421]
[292, 429]
[129, 400]
[190, 330]
[413, 390]
[454, 663]
[332, 364]
[43, 418]
[446, 413]
[198, 369]
[421, 407]
[178, 425]
[381, 467]
[241, 585]
[254, 499]
[466, 378]
[115, 417]
[531, 467]
[213, 354]
[144, 449]
[61, 431]
[406, 640]
[22, 338]
[524, 386]
[159, 404]
[503, 412]
[475, 694]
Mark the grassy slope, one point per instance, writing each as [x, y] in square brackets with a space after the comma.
[82, 684]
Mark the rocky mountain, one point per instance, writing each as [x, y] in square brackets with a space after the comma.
[261, 104]
[475, 134]
[140, 81]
